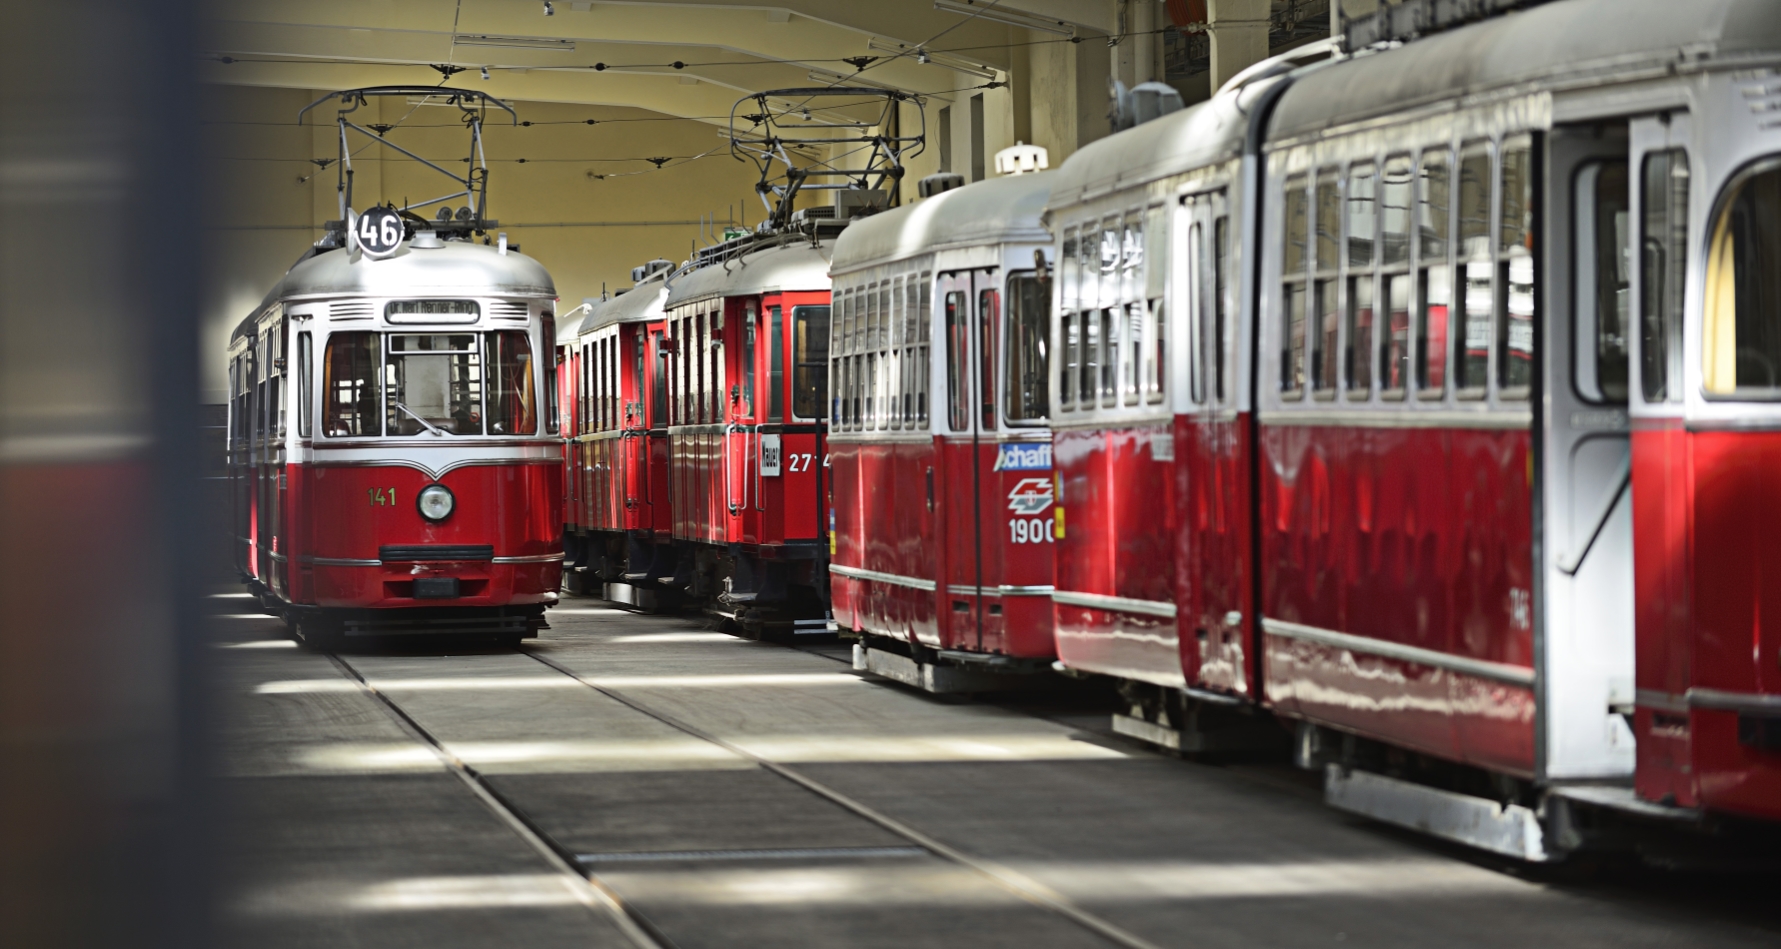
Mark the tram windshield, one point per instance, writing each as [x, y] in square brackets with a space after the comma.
[1741, 335]
[429, 384]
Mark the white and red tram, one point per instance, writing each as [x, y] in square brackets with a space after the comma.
[393, 443]
[1470, 352]
[942, 520]
[747, 338]
[623, 540]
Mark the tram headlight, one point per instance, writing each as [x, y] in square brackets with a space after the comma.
[436, 502]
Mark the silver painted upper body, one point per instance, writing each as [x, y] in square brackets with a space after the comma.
[1571, 43]
[640, 304]
[454, 268]
[788, 267]
[995, 211]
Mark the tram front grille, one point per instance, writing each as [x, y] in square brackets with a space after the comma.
[419, 553]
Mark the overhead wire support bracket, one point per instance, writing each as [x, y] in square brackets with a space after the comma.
[473, 106]
[777, 123]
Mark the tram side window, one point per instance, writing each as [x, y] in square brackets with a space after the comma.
[923, 380]
[1434, 279]
[1132, 281]
[989, 321]
[1069, 282]
[1115, 253]
[1741, 336]
[1474, 273]
[1362, 205]
[1297, 258]
[305, 384]
[1602, 222]
[548, 337]
[1515, 270]
[1663, 265]
[350, 390]
[776, 365]
[1221, 251]
[958, 347]
[1155, 328]
[1027, 369]
[1328, 224]
[810, 365]
[1395, 210]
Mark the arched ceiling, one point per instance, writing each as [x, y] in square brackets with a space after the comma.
[729, 49]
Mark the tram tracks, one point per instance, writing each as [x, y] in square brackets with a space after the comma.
[601, 897]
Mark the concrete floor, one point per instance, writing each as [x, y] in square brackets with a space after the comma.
[730, 793]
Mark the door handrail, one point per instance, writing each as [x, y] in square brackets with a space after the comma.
[1571, 563]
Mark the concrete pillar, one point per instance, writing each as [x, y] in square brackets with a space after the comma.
[1239, 31]
[1146, 64]
[1124, 65]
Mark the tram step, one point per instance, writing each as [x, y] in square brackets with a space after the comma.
[930, 677]
[1238, 735]
[1511, 830]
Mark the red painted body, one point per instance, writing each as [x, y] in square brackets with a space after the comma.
[1707, 555]
[1118, 510]
[1212, 545]
[718, 494]
[1417, 536]
[301, 513]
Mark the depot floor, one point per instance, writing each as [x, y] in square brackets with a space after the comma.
[644, 780]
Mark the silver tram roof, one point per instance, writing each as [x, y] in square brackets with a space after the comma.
[454, 268]
[640, 304]
[1568, 44]
[994, 211]
[1200, 135]
[776, 268]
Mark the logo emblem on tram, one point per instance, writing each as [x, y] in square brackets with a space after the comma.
[1030, 496]
[1014, 456]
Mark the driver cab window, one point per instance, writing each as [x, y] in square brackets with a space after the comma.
[1741, 335]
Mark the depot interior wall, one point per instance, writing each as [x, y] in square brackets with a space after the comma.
[266, 201]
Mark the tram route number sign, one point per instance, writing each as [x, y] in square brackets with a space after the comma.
[379, 232]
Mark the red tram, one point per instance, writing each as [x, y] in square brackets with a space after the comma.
[747, 342]
[1462, 343]
[622, 520]
[943, 557]
[393, 443]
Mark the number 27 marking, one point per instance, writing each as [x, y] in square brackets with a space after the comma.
[799, 462]
[382, 497]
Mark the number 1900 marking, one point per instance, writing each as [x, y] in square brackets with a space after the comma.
[382, 497]
[1036, 530]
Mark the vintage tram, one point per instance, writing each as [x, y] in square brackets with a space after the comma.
[1463, 342]
[622, 538]
[942, 520]
[393, 446]
[747, 335]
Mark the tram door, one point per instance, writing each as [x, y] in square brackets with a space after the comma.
[970, 309]
[1586, 661]
[1212, 457]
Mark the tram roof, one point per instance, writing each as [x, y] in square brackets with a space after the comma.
[1190, 138]
[1577, 40]
[993, 211]
[453, 268]
[640, 304]
[794, 266]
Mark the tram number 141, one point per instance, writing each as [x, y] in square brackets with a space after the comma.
[1029, 530]
[382, 497]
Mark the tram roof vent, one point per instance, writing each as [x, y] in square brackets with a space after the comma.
[939, 183]
[1138, 105]
[650, 269]
[1411, 19]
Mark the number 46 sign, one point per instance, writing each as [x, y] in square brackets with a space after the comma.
[378, 232]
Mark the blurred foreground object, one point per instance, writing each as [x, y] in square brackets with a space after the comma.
[101, 768]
